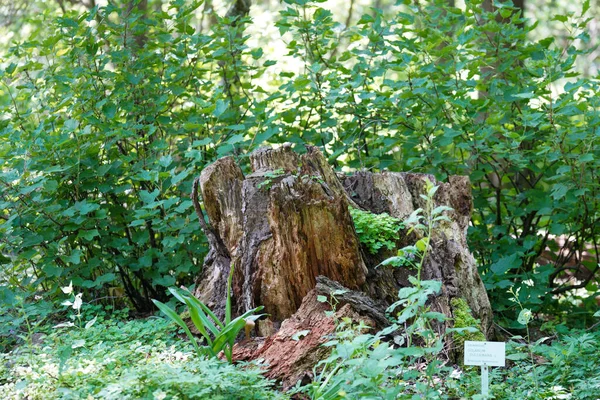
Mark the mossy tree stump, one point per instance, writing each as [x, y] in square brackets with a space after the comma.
[288, 222]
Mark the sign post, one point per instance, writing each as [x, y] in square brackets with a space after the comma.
[485, 355]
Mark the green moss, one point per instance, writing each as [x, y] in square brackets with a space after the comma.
[463, 318]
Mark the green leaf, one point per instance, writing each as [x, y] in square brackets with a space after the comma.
[148, 197]
[109, 110]
[505, 264]
[90, 323]
[179, 177]
[524, 316]
[89, 234]
[300, 334]
[133, 79]
[74, 258]
[422, 244]
[213, 324]
[165, 161]
[71, 124]
[220, 108]
[322, 299]
[200, 320]
[585, 8]
[84, 208]
[560, 18]
[175, 317]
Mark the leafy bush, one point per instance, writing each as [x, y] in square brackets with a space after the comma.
[110, 113]
[106, 133]
[449, 90]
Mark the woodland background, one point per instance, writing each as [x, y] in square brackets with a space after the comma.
[111, 109]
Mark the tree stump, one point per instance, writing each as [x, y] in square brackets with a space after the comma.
[287, 223]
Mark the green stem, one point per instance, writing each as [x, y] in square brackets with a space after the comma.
[429, 211]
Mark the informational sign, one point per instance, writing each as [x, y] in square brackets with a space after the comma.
[485, 354]
[490, 354]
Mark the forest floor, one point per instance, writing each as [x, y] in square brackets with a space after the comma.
[149, 359]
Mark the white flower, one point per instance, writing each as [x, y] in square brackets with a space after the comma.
[77, 303]
[68, 289]
[159, 395]
[455, 374]
[64, 325]
[66, 303]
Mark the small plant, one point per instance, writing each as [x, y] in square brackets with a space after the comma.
[422, 222]
[376, 231]
[524, 318]
[331, 300]
[219, 336]
[270, 176]
[75, 303]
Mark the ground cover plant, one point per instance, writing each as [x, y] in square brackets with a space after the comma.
[116, 359]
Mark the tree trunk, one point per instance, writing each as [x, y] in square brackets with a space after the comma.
[288, 222]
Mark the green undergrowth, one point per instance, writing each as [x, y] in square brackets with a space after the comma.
[561, 368]
[145, 359]
[362, 366]
[140, 359]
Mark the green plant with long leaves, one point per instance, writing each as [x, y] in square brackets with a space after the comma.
[219, 336]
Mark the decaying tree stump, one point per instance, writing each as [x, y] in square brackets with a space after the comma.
[288, 222]
[297, 346]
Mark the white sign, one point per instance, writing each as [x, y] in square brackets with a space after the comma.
[489, 354]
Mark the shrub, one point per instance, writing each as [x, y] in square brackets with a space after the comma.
[105, 137]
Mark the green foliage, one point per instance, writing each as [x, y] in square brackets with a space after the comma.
[19, 317]
[124, 360]
[108, 114]
[219, 336]
[371, 366]
[564, 368]
[376, 231]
